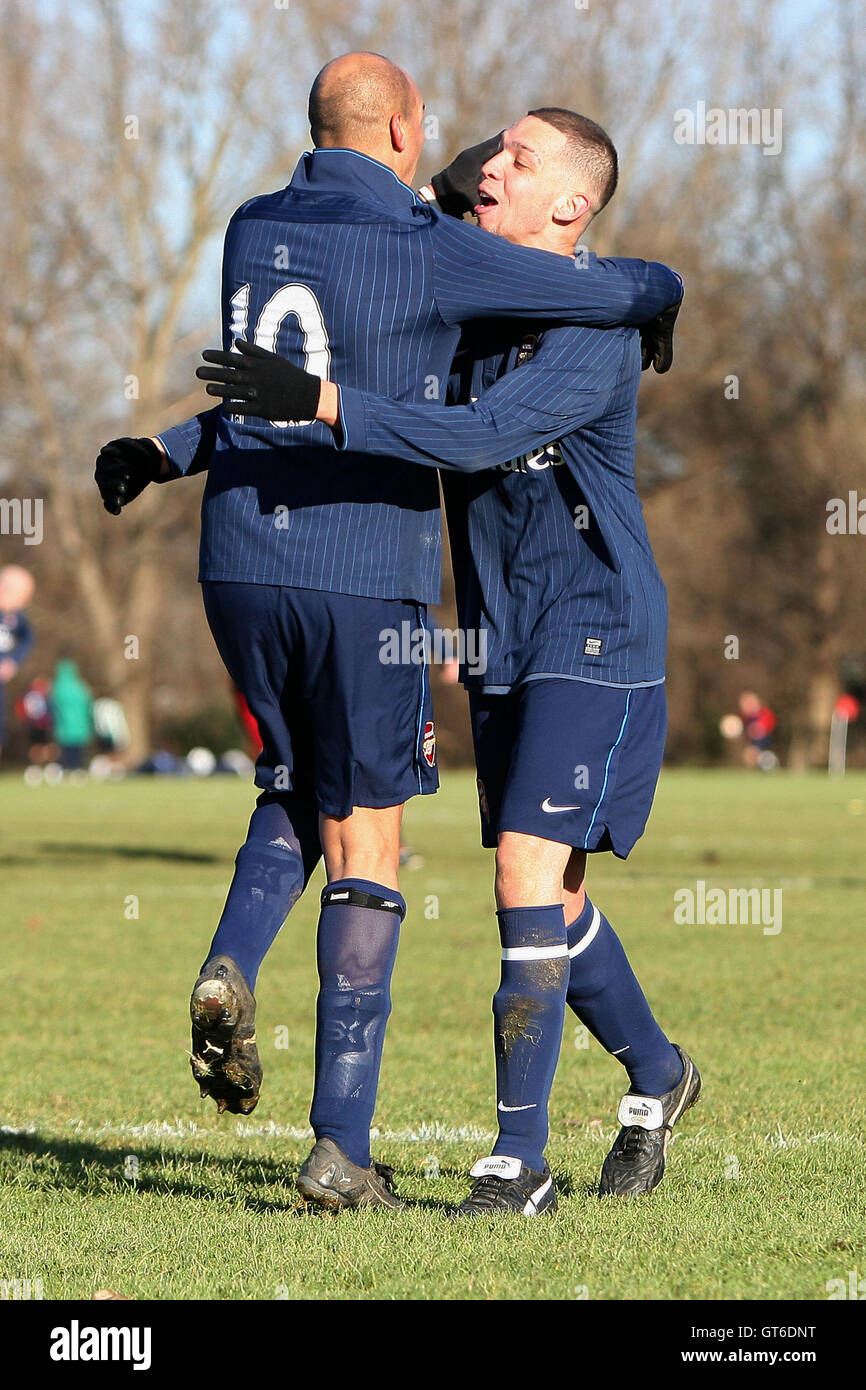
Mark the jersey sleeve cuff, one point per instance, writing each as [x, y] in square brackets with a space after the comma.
[180, 443]
[353, 419]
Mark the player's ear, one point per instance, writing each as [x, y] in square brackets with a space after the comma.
[398, 133]
[572, 208]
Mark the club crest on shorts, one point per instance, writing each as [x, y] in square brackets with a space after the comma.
[482, 800]
[527, 349]
[428, 744]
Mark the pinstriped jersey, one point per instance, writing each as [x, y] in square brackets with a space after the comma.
[550, 550]
[348, 272]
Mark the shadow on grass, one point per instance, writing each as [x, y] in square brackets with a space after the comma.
[70, 1165]
[179, 856]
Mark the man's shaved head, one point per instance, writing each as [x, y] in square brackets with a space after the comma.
[354, 97]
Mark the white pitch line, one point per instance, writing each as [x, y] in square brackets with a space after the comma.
[424, 1133]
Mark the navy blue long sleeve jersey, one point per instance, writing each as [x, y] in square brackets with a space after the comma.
[347, 271]
[550, 550]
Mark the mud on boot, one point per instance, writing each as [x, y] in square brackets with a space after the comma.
[225, 1060]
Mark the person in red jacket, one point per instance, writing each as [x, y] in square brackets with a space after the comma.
[759, 724]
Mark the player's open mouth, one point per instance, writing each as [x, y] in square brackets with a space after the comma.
[485, 200]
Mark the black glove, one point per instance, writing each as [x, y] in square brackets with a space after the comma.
[456, 187]
[123, 470]
[657, 340]
[263, 383]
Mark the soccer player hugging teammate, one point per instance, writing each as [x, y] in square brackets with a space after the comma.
[308, 554]
[552, 557]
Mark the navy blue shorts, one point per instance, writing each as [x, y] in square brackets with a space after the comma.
[569, 761]
[337, 724]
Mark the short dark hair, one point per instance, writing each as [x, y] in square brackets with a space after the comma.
[589, 149]
[353, 95]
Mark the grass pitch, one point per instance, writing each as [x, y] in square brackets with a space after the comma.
[114, 1174]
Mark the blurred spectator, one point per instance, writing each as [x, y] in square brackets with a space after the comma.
[16, 634]
[759, 724]
[112, 738]
[34, 710]
[72, 705]
[110, 726]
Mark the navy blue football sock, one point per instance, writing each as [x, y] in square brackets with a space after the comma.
[356, 946]
[271, 871]
[528, 1012]
[604, 993]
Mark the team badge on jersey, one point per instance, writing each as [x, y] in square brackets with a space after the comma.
[428, 744]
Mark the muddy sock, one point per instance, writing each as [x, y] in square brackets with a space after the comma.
[528, 1011]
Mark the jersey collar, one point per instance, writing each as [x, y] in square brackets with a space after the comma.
[332, 170]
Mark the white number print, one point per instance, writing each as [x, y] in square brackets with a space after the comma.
[300, 301]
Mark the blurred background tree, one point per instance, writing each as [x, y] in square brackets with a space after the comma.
[129, 135]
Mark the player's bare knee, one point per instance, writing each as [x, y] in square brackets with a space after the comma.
[529, 870]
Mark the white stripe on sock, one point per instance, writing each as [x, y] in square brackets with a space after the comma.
[534, 952]
[589, 935]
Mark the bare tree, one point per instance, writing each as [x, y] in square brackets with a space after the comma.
[121, 169]
[111, 215]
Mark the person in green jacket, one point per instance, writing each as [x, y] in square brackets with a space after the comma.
[72, 703]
